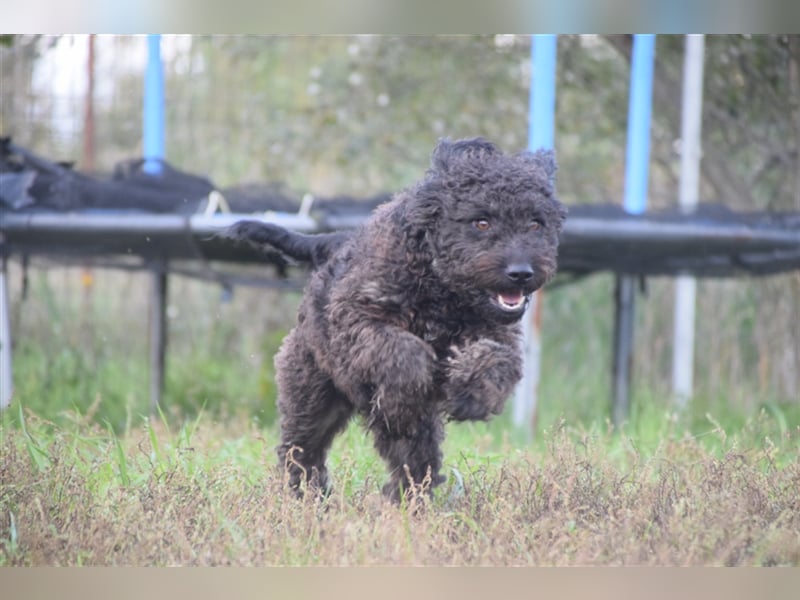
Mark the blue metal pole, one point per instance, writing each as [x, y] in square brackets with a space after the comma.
[637, 170]
[541, 125]
[637, 158]
[541, 128]
[153, 117]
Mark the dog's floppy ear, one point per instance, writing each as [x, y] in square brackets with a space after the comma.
[447, 153]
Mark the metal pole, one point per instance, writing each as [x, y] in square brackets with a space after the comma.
[685, 285]
[89, 163]
[153, 150]
[153, 116]
[88, 114]
[637, 153]
[6, 383]
[624, 296]
[637, 159]
[526, 394]
[541, 127]
[158, 335]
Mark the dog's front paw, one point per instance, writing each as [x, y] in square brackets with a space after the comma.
[480, 377]
[466, 406]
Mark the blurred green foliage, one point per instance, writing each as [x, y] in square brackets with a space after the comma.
[359, 115]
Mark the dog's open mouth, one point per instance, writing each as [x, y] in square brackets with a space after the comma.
[511, 301]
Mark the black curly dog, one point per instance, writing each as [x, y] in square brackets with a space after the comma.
[413, 318]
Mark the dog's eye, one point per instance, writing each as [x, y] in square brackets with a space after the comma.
[535, 225]
[481, 224]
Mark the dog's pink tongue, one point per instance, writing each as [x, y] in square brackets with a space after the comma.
[511, 298]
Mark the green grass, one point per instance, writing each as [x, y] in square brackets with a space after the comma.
[89, 477]
[207, 493]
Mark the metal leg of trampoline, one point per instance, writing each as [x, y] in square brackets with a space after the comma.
[158, 335]
[6, 385]
[624, 305]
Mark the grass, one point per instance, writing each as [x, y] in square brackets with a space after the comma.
[87, 479]
[207, 493]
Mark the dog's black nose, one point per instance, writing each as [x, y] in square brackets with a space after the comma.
[519, 273]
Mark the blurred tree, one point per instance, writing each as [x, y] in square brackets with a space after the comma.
[353, 115]
[751, 116]
[18, 103]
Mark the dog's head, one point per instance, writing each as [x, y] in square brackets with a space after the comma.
[491, 223]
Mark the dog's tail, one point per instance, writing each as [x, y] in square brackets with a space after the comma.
[314, 249]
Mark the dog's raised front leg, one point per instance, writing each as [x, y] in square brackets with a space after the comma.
[387, 372]
[481, 375]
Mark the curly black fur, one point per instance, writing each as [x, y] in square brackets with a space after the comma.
[414, 318]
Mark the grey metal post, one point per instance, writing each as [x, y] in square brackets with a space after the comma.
[6, 383]
[624, 296]
[158, 334]
[524, 413]
[685, 285]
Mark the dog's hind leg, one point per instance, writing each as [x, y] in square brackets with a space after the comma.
[312, 412]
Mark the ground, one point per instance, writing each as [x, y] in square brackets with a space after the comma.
[208, 494]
